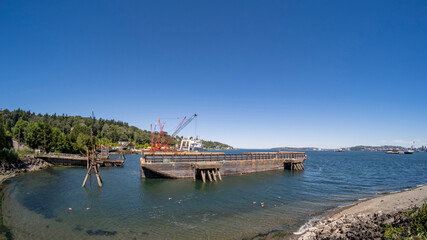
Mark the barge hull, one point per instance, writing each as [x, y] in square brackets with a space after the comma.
[180, 165]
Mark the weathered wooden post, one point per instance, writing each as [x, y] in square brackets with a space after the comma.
[93, 166]
[214, 174]
[203, 176]
[209, 175]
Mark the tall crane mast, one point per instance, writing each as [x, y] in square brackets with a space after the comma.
[162, 133]
[181, 126]
[157, 144]
[152, 133]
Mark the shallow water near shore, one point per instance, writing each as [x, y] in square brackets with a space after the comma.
[36, 205]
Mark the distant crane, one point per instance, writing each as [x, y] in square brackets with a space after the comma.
[152, 133]
[160, 145]
[157, 145]
[181, 126]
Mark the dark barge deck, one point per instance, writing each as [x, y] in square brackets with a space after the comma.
[194, 165]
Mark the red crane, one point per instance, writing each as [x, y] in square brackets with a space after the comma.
[181, 126]
[152, 133]
[155, 146]
[162, 133]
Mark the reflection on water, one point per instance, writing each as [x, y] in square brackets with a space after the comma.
[52, 204]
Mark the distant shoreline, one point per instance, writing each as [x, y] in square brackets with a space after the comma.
[384, 148]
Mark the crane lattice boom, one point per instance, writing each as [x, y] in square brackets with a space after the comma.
[159, 143]
[181, 126]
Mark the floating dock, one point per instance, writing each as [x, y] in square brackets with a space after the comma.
[213, 165]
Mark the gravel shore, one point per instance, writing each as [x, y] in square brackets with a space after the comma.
[367, 219]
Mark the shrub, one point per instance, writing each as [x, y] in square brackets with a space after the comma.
[8, 155]
[417, 229]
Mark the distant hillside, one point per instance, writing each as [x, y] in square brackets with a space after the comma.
[71, 134]
[376, 148]
[295, 148]
[215, 145]
[354, 148]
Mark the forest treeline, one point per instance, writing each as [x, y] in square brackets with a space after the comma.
[68, 134]
[71, 134]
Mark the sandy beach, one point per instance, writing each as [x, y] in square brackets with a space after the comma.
[364, 219]
[388, 203]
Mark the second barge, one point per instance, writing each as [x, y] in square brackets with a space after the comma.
[196, 165]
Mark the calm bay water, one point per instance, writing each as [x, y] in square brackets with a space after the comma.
[36, 205]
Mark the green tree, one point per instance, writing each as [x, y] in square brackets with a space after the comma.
[82, 143]
[79, 128]
[59, 141]
[46, 136]
[123, 137]
[105, 132]
[20, 130]
[39, 135]
[3, 139]
[33, 135]
[8, 126]
[104, 141]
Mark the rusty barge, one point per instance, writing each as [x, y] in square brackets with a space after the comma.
[214, 165]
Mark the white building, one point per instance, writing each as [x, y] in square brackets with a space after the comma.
[191, 145]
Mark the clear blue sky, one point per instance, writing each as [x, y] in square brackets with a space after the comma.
[259, 73]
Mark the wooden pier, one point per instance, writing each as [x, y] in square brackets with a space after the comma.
[211, 169]
[214, 165]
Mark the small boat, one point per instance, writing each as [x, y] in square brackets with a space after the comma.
[409, 152]
[394, 152]
[339, 150]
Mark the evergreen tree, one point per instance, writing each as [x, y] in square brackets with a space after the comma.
[3, 139]
[20, 130]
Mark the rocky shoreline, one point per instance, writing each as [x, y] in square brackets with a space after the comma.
[357, 227]
[368, 219]
[26, 164]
